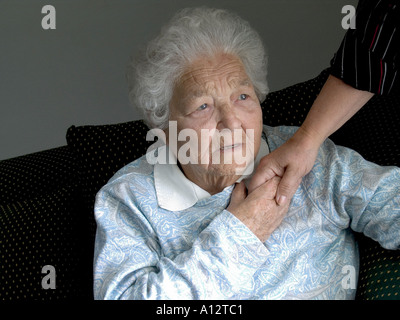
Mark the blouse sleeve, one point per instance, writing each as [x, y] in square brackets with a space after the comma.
[356, 193]
[368, 57]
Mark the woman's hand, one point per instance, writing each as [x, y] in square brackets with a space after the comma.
[291, 161]
[258, 210]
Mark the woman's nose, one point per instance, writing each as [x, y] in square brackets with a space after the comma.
[228, 118]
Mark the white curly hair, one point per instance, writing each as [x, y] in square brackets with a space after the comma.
[190, 34]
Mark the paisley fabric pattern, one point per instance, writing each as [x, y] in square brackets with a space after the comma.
[145, 252]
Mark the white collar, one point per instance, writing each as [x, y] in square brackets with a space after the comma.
[175, 192]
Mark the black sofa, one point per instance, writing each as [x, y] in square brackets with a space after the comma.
[47, 198]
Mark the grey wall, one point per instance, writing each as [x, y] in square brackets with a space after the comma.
[75, 74]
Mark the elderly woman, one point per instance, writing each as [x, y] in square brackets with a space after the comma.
[188, 229]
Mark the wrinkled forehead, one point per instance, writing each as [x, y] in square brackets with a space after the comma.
[208, 73]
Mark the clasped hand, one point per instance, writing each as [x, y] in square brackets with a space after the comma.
[258, 210]
[264, 205]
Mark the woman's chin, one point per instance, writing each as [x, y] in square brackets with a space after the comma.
[226, 170]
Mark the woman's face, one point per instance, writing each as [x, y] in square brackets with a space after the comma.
[215, 100]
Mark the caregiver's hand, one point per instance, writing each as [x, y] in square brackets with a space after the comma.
[291, 161]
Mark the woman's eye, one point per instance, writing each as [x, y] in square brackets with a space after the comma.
[203, 107]
[243, 96]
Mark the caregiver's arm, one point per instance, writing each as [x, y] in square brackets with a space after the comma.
[334, 106]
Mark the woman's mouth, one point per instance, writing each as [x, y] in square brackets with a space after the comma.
[231, 147]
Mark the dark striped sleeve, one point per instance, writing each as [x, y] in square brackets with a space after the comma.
[368, 57]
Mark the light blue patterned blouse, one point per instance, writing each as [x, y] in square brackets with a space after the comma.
[202, 251]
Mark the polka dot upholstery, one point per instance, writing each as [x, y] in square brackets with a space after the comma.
[102, 150]
[379, 277]
[32, 174]
[290, 106]
[40, 224]
[35, 233]
[374, 131]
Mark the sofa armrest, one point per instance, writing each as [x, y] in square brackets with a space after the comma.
[37, 173]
